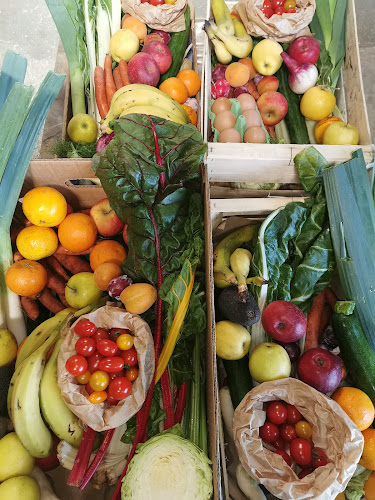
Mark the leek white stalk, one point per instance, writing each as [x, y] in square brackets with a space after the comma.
[89, 15]
[103, 31]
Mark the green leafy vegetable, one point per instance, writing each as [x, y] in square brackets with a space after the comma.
[69, 149]
[355, 487]
[13, 70]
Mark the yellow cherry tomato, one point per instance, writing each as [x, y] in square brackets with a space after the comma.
[170, 2]
[132, 374]
[125, 341]
[84, 378]
[97, 397]
[303, 429]
[289, 4]
[99, 380]
[317, 103]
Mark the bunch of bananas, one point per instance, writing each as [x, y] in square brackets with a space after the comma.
[228, 36]
[143, 99]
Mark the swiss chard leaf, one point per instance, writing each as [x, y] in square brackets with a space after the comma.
[283, 286]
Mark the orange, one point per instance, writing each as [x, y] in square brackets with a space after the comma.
[191, 80]
[322, 126]
[175, 88]
[77, 232]
[340, 496]
[26, 277]
[368, 454]
[357, 405]
[191, 114]
[44, 206]
[105, 272]
[35, 242]
[107, 251]
[370, 487]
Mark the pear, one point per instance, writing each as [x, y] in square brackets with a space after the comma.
[15, 460]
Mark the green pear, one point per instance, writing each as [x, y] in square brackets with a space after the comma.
[8, 347]
[232, 340]
[15, 460]
[20, 488]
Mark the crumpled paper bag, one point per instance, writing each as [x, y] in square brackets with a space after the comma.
[103, 416]
[164, 17]
[333, 431]
[281, 29]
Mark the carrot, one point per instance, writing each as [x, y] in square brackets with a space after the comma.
[271, 131]
[31, 307]
[55, 265]
[74, 264]
[330, 297]
[55, 283]
[100, 93]
[63, 251]
[325, 318]
[51, 302]
[251, 87]
[117, 78]
[17, 256]
[110, 86]
[313, 322]
[123, 67]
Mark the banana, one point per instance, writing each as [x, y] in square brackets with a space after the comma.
[222, 16]
[238, 47]
[56, 413]
[223, 276]
[240, 261]
[222, 54]
[16, 373]
[153, 110]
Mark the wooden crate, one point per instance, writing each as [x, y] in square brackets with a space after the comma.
[350, 101]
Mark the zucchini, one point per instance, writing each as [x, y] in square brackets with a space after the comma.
[355, 351]
[239, 379]
[177, 46]
[294, 119]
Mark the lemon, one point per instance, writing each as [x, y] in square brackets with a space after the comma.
[15, 460]
[8, 347]
[35, 242]
[44, 206]
[317, 103]
[20, 488]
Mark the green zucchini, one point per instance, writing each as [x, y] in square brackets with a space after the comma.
[239, 379]
[357, 355]
[177, 46]
[294, 119]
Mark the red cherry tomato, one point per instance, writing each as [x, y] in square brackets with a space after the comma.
[285, 456]
[93, 361]
[114, 333]
[125, 341]
[276, 413]
[97, 397]
[279, 11]
[107, 347]
[89, 389]
[113, 364]
[319, 458]
[305, 472]
[100, 334]
[142, 1]
[293, 415]
[156, 2]
[267, 11]
[85, 346]
[288, 432]
[269, 432]
[267, 4]
[111, 400]
[132, 374]
[279, 444]
[99, 380]
[120, 388]
[300, 450]
[84, 378]
[113, 375]
[76, 365]
[85, 328]
[130, 357]
[277, 3]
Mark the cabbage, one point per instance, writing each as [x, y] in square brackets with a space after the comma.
[168, 467]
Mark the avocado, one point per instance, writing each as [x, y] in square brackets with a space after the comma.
[233, 308]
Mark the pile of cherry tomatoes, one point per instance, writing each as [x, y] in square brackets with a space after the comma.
[278, 7]
[106, 362]
[285, 427]
[159, 2]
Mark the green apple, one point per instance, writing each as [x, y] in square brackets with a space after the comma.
[269, 361]
[232, 340]
[124, 44]
[20, 488]
[82, 128]
[266, 57]
[15, 460]
[341, 133]
[80, 291]
[8, 347]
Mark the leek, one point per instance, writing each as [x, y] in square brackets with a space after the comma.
[89, 16]
[13, 70]
[103, 27]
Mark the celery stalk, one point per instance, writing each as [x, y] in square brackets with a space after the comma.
[13, 70]
[194, 427]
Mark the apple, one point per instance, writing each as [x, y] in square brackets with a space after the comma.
[82, 128]
[124, 44]
[80, 291]
[161, 53]
[105, 218]
[341, 133]
[232, 340]
[304, 49]
[266, 57]
[269, 361]
[284, 321]
[218, 73]
[272, 107]
[143, 68]
[268, 84]
[152, 37]
[125, 234]
[321, 369]
[164, 35]
[117, 285]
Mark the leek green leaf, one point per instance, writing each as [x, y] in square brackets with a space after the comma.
[13, 70]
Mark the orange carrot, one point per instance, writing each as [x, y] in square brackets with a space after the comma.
[55, 265]
[110, 86]
[271, 131]
[117, 78]
[55, 283]
[330, 297]
[100, 93]
[123, 67]
[325, 318]
[313, 322]
[51, 302]
[63, 251]
[74, 263]
[251, 87]
[31, 307]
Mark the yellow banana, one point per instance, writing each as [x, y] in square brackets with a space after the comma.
[240, 261]
[17, 371]
[222, 16]
[156, 111]
[238, 47]
[222, 54]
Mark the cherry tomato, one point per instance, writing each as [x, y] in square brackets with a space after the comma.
[100, 334]
[300, 449]
[85, 328]
[89, 389]
[279, 444]
[285, 456]
[267, 11]
[130, 357]
[288, 432]
[279, 11]
[85, 346]
[277, 3]
[76, 365]
[276, 413]
[319, 458]
[120, 388]
[111, 400]
[99, 380]
[125, 342]
[269, 432]
[267, 4]
[114, 333]
[293, 415]
[305, 472]
[289, 4]
[303, 429]
[97, 397]
[93, 361]
[84, 378]
[132, 374]
[144, 1]
[107, 347]
[156, 2]
[113, 364]
[113, 375]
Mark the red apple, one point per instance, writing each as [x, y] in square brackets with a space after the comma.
[142, 68]
[161, 53]
[152, 37]
[284, 321]
[165, 37]
[105, 218]
[268, 84]
[321, 369]
[272, 107]
[304, 49]
[117, 285]
[125, 234]
[218, 73]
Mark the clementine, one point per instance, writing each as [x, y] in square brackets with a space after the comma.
[368, 454]
[357, 405]
[191, 114]
[175, 88]
[77, 232]
[105, 272]
[26, 277]
[107, 251]
[191, 80]
[370, 487]
[44, 206]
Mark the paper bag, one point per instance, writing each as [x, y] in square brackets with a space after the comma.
[104, 416]
[333, 431]
[283, 28]
[164, 17]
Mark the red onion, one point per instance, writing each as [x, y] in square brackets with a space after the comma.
[218, 73]
[103, 141]
[258, 78]
[221, 88]
[240, 90]
[302, 76]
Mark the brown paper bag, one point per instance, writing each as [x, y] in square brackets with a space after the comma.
[279, 28]
[163, 17]
[103, 416]
[333, 431]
